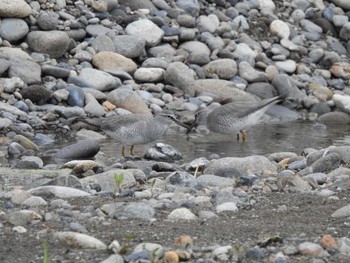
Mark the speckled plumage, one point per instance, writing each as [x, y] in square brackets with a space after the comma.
[134, 129]
[238, 116]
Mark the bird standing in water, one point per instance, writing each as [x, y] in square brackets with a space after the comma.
[236, 117]
[135, 129]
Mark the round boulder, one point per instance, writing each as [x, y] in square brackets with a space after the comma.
[54, 43]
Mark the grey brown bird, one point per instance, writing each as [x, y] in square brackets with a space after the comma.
[235, 117]
[135, 129]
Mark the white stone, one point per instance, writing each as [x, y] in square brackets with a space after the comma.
[149, 74]
[79, 241]
[342, 101]
[280, 28]
[147, 30]
[182, 214]
[229, 206]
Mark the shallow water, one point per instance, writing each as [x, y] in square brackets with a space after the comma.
[262, 139]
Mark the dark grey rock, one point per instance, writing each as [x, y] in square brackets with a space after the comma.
[76, 97]
[57, 72]
[181, 179]
[38, 94]
[81, 149]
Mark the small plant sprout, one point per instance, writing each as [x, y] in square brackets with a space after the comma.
[119, 179]
[46, 257]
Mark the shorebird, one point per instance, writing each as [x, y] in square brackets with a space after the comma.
[135, 129]
[235, 117]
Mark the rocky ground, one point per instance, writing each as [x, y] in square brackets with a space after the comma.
[62, 60]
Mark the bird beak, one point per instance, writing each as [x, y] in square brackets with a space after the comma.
[188, 128]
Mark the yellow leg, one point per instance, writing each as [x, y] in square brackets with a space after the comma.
[132, 150]
[244, 136]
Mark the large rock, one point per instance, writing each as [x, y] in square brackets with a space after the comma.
[28, 71]
[222, 88]
[345, 4]
[147, 30]
[98, 79]
[106, 180]
[80, 150]
[179, 75]
[128, 99]
[106, 60]
[54, 43]
[14, 8]
[13, 29]
[131, 46]
[237, 167]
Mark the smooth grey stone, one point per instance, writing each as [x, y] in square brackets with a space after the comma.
[165, 50]
[76, 97]
[297, 165]
[22, 106]
[99, 95]
[97, 79]
[345, 32]
[80, 150]
[210, 180]
[103, 43]
[54, 43]
[191, 7]
[13, 29]
[261, 89]
[329, 58]
[28, 71]
[77, 227]
[77, 34]
[48, 20]
[130, 46]
[319, 178]
[179, 75]
[334, 117]
[135, 210]
[15, 148]
[57, 191]
[343, 151]
[342, 212]
[286, 87]
[29, 162]
[225, 196]
[258, 165]
[325, 164]
[4, 65]
[96, 30]
[57, 72]
[147, 30]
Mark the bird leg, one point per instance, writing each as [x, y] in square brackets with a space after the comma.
[244, 136]
[132, 150]
[123, 151]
